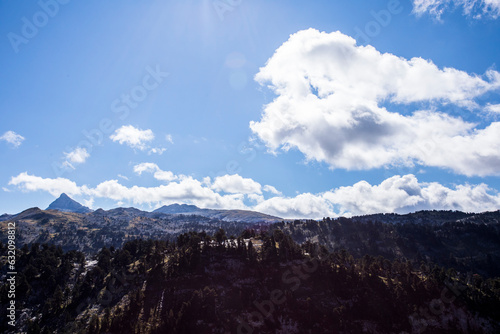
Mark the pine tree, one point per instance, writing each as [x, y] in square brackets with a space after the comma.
[252, 256]
[94, 324]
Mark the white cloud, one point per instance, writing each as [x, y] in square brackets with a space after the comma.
[405, 194]
[133, 137]
[256, 198]
[187, 190]
[163, 175]
[157, 150]
[89, 203]
[137, 139]
[271, 189]
[77, 156]
[328, 106]
[207, 181]
[149, 167]
[123, 177]
[301, 206]
[236, 184]
[474, 8]
[399, 194]
[393, 194]
[12, 138]
[433, 7]
[169, 138]
[55, 187]
[492, 108]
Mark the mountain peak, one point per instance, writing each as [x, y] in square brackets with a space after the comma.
[67, 204]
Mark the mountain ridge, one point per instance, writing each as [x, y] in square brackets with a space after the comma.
[225, 215]
[66, 204]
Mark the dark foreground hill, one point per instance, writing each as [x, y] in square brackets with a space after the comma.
[207, 285]
[451, 239]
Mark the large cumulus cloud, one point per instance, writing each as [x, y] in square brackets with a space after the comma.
[337, 103]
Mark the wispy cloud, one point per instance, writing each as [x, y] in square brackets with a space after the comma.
[12, 138]
[474, 8]
[169, 138]
[492, 108]
[271, 189]
[157, 150]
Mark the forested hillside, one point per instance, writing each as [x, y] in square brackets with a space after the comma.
[467, 242]
[256, 283]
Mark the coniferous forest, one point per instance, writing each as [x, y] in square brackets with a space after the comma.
[260, 281]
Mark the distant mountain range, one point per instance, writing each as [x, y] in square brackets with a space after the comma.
[225, 215]
[65, 204]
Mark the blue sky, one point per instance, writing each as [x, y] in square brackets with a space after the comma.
[293, 108]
